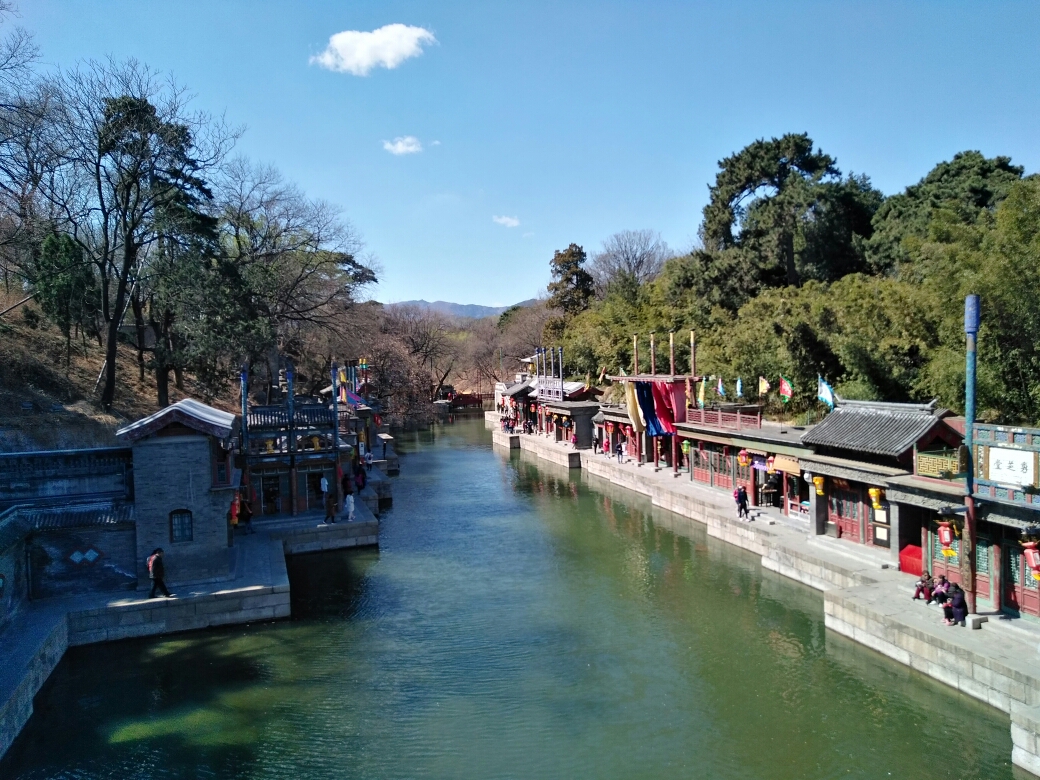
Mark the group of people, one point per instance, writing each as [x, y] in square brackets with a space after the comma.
[948, 595]
[511, 424]
[740, 497]
[354, 481]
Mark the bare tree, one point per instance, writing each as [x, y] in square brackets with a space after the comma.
[294, 263]
[635, 255]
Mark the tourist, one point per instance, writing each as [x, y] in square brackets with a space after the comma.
[923, 588]
[942, 587]
[347, 483]
[324, 490]
[368, 460]
[348, 500]
[330, 509]
[620, 450]
[955, 610]
[157, 573]
[742, 503]
[736, 500]
[245, 513]
[574, 440]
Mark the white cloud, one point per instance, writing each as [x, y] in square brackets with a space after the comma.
[435, 143]
[357, 52]
[507, 221]
[405, 144]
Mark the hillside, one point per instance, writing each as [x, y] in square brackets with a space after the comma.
[468, 310]
[43, 406]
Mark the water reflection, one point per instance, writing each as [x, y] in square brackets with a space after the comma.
[518, 621]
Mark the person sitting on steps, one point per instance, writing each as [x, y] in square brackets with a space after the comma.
[923, 588]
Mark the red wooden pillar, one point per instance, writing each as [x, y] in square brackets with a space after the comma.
[927, 565]
[783, 482]
[657, 452]
[675, 454]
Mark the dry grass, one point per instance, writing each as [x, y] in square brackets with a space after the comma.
[65, 412]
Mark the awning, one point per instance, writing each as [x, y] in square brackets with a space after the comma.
[787, 464]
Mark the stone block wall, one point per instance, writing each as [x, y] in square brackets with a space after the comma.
[67, 561]
[174, 473]
[15, 582]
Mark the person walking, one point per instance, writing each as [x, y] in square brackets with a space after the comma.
[742, 503]
[620, 450]
[245, 513]
[330, 508]
[368, 460]
[157, 573]
[348, 500]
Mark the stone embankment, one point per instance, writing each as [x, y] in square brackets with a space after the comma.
[863, 598]
[258, 590]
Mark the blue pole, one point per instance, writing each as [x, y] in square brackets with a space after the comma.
[971, 329]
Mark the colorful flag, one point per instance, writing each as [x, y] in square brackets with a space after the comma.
[785, 389]
[740, 387]
[700, 395]
[763, 385]
[720, 389]
[824, 392]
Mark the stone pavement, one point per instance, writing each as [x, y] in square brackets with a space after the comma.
[864, 598]
[258, 589]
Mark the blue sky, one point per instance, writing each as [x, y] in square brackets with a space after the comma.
[575, 120]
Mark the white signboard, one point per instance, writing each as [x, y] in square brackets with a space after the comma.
[550, 388]
[1010, 467]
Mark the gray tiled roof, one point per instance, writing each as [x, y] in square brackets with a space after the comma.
[77, 515]
[878, 428]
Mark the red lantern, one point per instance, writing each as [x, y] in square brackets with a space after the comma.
[743, 458]
[1032, 557]
[945, 534]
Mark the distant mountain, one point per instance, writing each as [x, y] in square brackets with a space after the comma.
[471, 310]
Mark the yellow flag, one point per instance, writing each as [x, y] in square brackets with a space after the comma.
[700, 394]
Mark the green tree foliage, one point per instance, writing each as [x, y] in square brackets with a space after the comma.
[66, 288]
[572, 287]
[779, 214]
[965, 187]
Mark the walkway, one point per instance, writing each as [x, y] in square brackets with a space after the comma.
[257, 590]
[864, 598]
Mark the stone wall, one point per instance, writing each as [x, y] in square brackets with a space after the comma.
[15, 582]
[67, 561]
[174, 473]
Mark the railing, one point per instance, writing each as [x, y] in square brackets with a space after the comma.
[942, 464]
[716, 418]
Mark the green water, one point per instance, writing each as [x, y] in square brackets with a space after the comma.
[515, 623]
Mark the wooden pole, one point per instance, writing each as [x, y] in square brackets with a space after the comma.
[653, 356]
[693, 354]
[635, 353]
[671, 352]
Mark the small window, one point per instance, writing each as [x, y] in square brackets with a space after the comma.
[180, 526]
[222, 475]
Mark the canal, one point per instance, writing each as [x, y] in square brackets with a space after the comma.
[515, 623]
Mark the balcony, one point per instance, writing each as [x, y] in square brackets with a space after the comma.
[717, 418]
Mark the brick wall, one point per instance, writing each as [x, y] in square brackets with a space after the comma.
[67, 561]
[173, 473]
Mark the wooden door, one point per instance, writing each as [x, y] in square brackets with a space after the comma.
[844, 508]
[723, 471]
[1020, 593]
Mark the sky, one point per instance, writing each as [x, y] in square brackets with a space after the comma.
[467, 141]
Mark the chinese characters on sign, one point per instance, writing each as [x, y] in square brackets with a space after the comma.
[1010, 467]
